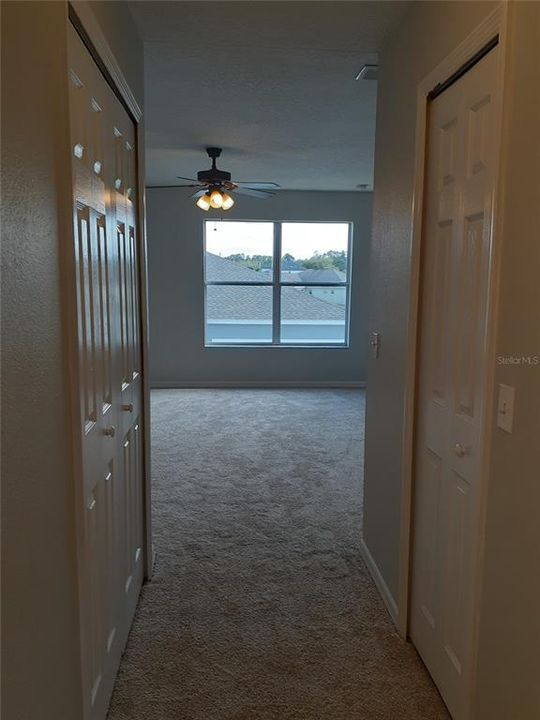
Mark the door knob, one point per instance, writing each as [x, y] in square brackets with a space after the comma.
[460, 449]
[110, 431]
[128, 407]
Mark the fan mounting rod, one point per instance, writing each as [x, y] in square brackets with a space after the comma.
[214, 153]
[213, 176]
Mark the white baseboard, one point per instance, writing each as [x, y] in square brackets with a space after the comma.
[179, 384]
[379, 581]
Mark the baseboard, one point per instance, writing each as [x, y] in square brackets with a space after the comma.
[179, 384]
[380, 583]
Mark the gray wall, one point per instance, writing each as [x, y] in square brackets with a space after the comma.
[175, 266]
[509, 660]
[509, 635]
[40, 667]
[428, 33]
[40, 623]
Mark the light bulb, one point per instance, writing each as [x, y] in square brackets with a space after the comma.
[227, 203]
[216, 199]
[204, 202]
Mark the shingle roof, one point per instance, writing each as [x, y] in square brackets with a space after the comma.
[323, 275]
[225, 302]
[243, 302]
[218, 268]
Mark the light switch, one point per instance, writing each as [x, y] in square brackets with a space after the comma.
[374, 344]
[505, 408]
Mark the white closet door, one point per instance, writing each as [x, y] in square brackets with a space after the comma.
[455, 280]
[104, 216]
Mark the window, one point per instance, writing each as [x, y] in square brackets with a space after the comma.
[274, 283]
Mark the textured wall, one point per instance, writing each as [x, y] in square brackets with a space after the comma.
[40, 672]
[428, 34]
[509, 640]
[175, 265]
[509, 668]
[40, 632]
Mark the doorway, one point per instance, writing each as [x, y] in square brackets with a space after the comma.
[451, 386]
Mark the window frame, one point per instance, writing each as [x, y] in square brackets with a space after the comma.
[276, 283]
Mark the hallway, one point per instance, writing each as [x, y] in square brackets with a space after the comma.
[261, 606]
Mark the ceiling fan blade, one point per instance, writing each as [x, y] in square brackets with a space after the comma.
[259, 185]
[263, 194]
[199, 193]
[190, 186]
[179, 177]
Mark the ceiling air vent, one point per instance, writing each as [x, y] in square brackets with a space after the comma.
[368, 72]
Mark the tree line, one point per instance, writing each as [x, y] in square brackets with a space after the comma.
[332, 259]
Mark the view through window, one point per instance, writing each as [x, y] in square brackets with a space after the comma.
[276, 283]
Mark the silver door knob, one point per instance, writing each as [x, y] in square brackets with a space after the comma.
[110, 431]
[128, 407]
[460, 450]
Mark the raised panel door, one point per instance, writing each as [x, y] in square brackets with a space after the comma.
[455, 270]
[106, 259]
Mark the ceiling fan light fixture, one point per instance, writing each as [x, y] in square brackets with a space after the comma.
[216, 199]
[204, 202]
[212, 186]
[227, 203]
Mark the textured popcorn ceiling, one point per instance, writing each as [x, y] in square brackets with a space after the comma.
[271, 82]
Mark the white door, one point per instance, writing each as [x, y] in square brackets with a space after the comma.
[450, 395]
[108, 319]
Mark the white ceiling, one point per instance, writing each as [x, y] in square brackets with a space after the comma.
[270, 82]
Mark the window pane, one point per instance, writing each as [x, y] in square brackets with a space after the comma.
[238, 251]
[314, 252]
[238, 314]
[311, 315]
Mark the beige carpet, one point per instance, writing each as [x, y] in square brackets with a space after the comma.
[261, 607]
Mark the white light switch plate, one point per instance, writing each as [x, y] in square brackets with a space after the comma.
[505, 408]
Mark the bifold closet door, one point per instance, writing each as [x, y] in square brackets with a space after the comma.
[456, 252]
[109, 351]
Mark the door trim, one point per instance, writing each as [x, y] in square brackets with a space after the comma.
[82, 17]
[495, 24]
[84, 20]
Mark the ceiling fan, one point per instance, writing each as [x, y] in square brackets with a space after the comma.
[215, 186]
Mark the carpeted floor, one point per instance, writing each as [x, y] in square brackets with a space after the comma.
[261, 607]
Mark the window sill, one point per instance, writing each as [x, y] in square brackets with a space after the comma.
[259, 346]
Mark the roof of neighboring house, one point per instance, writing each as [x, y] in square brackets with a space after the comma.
[242, 302]
[323, 275]
[218, 268]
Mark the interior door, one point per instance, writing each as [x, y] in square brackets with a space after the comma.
[455, 272]
[108, 319]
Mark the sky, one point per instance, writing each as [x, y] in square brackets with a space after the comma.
[302, 240]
